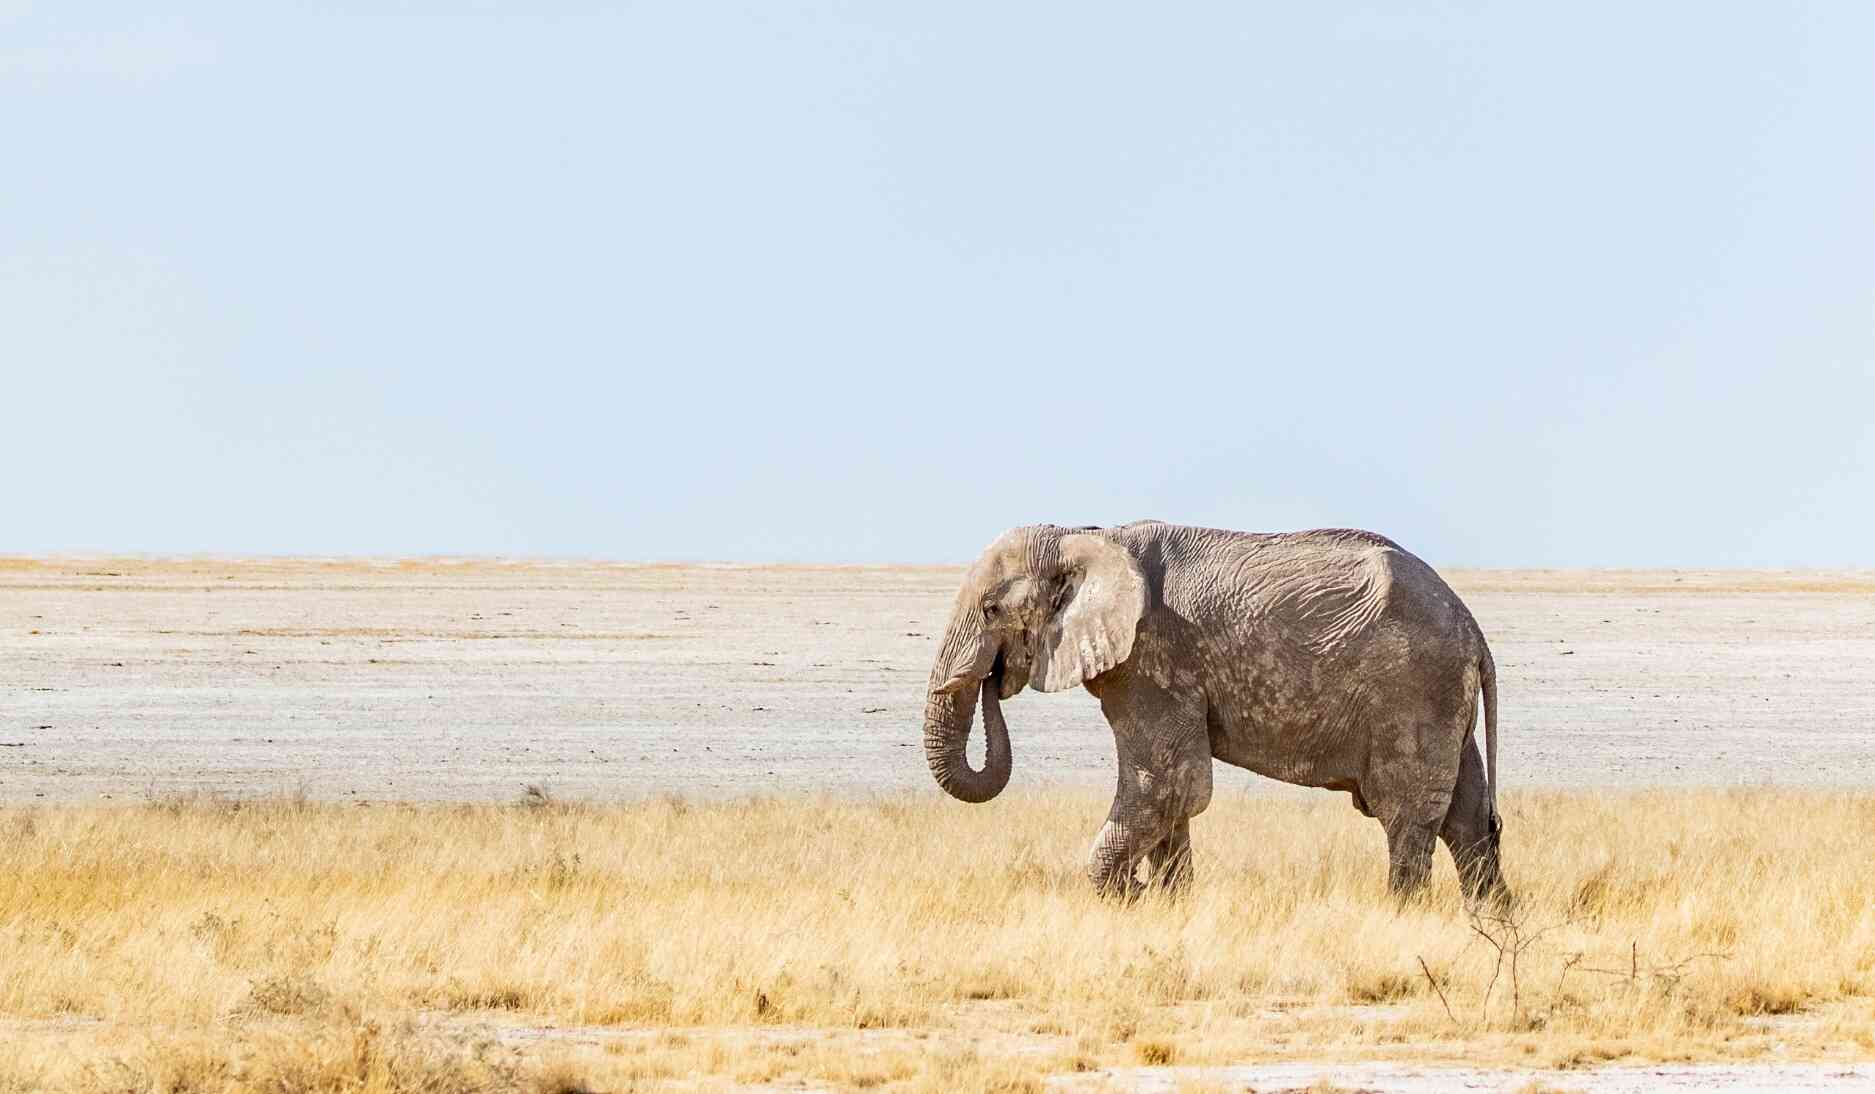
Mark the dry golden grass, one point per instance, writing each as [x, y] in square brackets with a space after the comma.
[283, 945]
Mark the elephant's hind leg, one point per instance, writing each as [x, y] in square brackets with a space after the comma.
[1469, 833]
[1410, 796]
[1412, 768]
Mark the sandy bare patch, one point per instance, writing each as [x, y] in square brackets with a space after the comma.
[1385, 1078]
[466, 679]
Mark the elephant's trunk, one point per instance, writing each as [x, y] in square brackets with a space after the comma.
[947, 729]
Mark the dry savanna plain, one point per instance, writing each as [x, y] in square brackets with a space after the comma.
[457, 826]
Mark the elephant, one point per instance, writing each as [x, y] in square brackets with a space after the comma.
[1330, 658]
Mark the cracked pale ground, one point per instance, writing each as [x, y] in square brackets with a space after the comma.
[822, 939]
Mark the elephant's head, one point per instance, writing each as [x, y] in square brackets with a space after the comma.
[1044, 606]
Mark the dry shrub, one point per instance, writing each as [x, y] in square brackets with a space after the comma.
[286, 995]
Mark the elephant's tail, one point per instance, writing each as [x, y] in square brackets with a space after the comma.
[1487, 676]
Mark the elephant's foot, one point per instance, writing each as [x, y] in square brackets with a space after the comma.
[1409, 851]
[1111, 861]
[1496, 899]
[1168, 864]
[1478, 876]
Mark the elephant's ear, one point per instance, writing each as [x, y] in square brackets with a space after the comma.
[1097, 611]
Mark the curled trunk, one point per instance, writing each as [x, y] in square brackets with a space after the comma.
[947, 721]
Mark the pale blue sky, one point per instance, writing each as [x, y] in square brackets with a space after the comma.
[1556, 285]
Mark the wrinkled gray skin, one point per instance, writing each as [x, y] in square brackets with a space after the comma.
[1329, 658]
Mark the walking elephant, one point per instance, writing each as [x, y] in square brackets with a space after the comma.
[1330, 658]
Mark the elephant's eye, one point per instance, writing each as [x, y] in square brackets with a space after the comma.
[989, 611]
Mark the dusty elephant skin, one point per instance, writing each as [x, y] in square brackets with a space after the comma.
[1330, 658]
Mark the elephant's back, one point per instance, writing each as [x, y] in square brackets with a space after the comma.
[1332, 592]
[1380, 594]
[1427, 609]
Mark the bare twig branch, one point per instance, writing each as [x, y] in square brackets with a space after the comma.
[1574, 960]
[1441, 991]
[1669, 970]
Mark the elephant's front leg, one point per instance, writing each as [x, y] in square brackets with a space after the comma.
[1110, 863]
[1168, 864]
[1164, 758]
